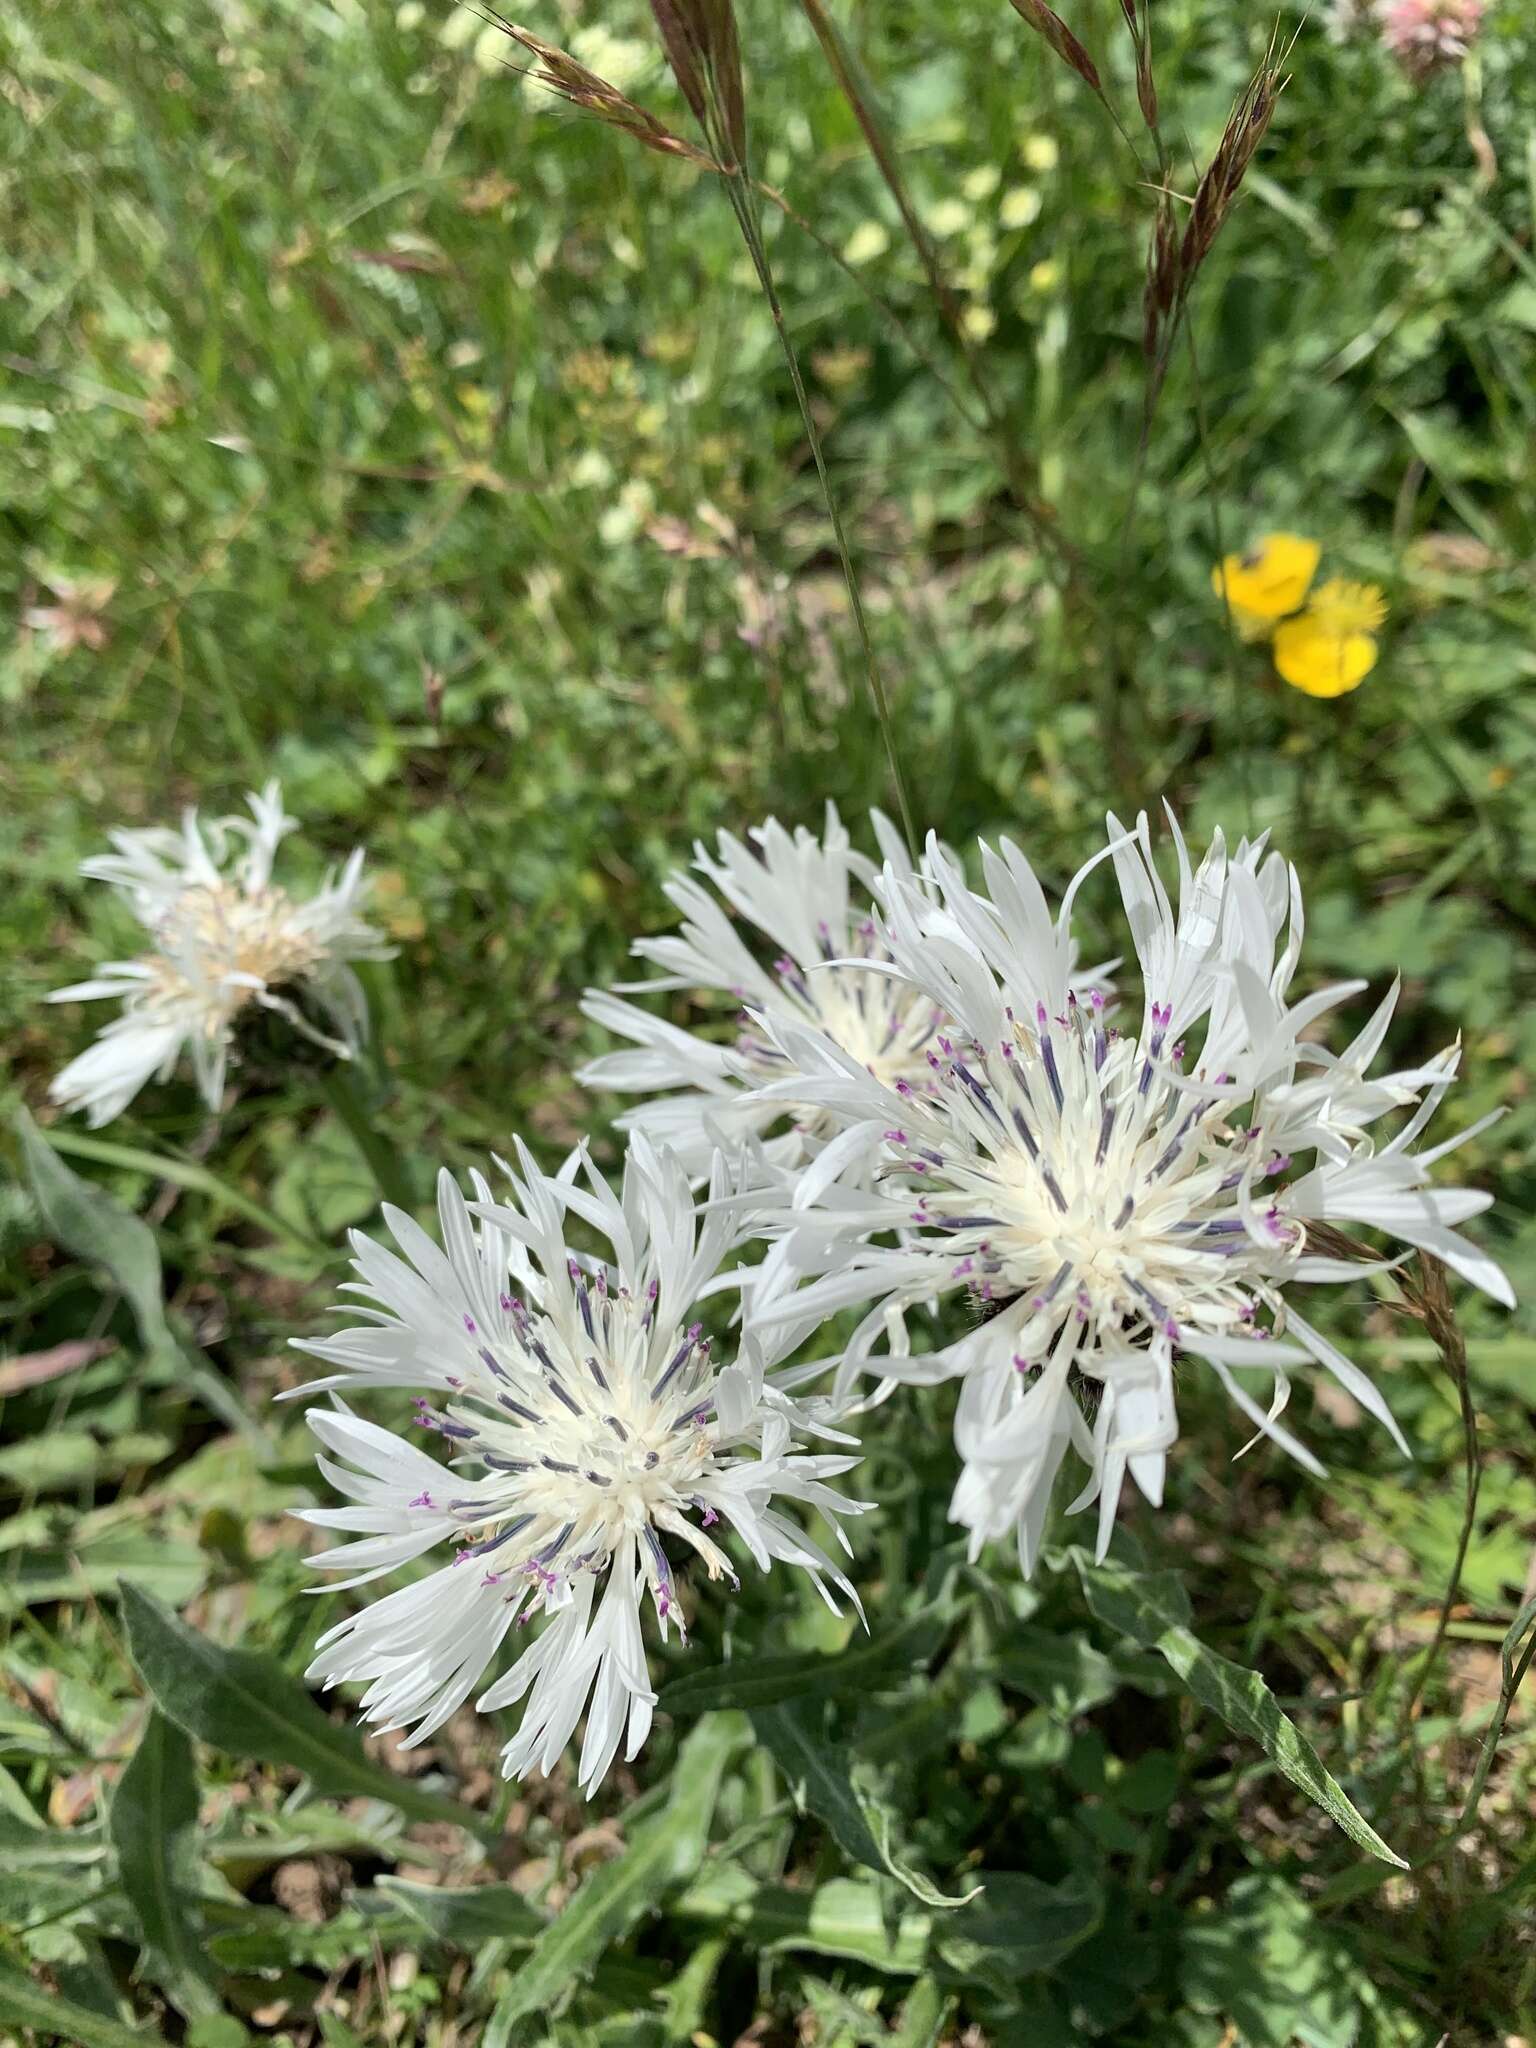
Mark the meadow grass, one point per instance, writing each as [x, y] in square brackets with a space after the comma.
[370, 420]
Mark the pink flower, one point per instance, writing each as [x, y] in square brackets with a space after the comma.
[1424, 34]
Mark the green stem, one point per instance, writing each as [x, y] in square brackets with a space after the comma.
[740, 189]
[338, 1084]
[1514, 1678]
[1433, 1300]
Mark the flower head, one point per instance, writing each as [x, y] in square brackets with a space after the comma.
[801, 904]
[1425, 34]
[224, 938]
[1330, 648]
[1271, 579]
[587, 1424]
[1111, 1193]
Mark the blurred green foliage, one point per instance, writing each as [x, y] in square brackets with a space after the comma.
[367, 420]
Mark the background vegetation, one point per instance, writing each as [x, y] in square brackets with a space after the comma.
[369, 421]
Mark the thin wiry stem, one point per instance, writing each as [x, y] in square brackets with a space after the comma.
[1514, 1677]
[1037, 515]
[881, 304]
[740, 188]
[1218, 538]
[1431, 1298]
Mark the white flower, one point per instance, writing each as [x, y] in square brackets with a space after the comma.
[223, 937]
[1109, 1199]
[803, 902]
[586, 1420]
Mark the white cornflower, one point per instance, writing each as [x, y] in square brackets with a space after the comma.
[585, 1420]
[802, 903]
[223, 937]
[1109, 1198]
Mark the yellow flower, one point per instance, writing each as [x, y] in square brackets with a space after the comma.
[1344, 607]
[1331, 647]
[1267, 582]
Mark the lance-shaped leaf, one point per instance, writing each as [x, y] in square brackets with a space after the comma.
[154, 1825]
[1153, 1609]
[52, 2018]
[844, 1791]
[85, 1220]
[248, 1706]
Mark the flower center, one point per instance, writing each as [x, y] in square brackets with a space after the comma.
[590, 1436]
[884, 1022]
[218, 942]
[1078, 1172]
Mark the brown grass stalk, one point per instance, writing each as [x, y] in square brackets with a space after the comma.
[582, 88]
[1175, 260]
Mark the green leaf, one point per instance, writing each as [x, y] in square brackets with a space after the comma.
[195, 1178]
[29, 1845]
[922, 2016]
[662, 1852]
[685, 2001]
[841, 1790]
[90, 1224]
[1152, 1608]
[42, 1577]
[845, 1917]
[866, 1665]
[1063, 1672]
[840, 2018]
[817, 1774]
[217, 2030]
[1135, 1604]
[53, 2018]
[86, 1221]
[153, 1824]
[1019, 1927]
[1262, 1961]
[467, 1918]
[248, 1706]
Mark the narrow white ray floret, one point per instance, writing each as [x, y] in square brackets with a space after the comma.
[586, 1424]
[223, 937]
[801, 925]
[1111, 1193]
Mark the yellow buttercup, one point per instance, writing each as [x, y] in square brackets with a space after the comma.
[1330, 648]
[1267, 582]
